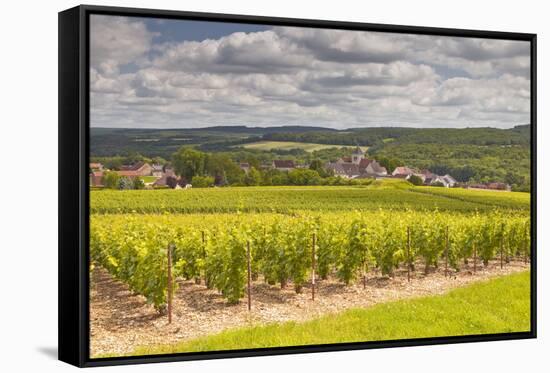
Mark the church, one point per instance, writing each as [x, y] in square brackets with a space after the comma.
[357, 166]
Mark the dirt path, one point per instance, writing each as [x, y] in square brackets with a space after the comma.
[121, 321]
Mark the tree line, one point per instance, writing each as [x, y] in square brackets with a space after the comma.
[209, 169]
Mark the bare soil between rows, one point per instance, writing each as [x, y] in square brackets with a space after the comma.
[121, 321]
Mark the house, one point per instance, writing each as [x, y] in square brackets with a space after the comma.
[427, 174]
[346, 170]
[491, 186]
[374, 168]
[245, 167]
[128, 174]
[449, 180]
[283, 165]
[435, 180]
[403, 171]
[498, 186]
[344, 160]
[96, 178]
[96, 166]
[161, 181]
[166, 174]
[157, 170]
[422, 176]
[140, 169]
[171, 181]
[169, 171]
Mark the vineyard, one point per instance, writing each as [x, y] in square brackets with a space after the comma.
[392, 194]
[224, 251]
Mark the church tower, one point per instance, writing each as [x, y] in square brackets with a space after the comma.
[357, 155]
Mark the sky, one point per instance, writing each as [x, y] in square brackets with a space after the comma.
[159, 73]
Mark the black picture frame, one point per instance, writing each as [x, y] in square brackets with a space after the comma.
[74, 206]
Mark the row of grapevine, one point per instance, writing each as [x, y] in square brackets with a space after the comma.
[289, 199]
[214, 248]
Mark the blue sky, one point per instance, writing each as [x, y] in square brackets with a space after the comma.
[171, 30]
[159, 73]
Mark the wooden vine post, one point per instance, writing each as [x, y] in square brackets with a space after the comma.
[475, 258]
[313, 266]
[170, 289]
[204, 256]
[249, 275]
[525, 251]
[525, 244]
[446, 250]
[409, 254]
[502, 246]
[364, 274]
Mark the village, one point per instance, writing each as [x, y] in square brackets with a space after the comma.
[142, 175]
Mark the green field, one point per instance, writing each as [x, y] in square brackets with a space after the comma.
[287, 145]
[149, 179]
[497, 306]
[389, 194]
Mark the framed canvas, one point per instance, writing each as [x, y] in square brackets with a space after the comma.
[235, 186]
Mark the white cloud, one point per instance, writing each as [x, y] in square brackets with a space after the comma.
[304, 76]
[477, 57]
[504, 94]
[347, 46]
[116, 41]
[236, 53]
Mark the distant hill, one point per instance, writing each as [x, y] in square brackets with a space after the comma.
[164, 142]
[378, 136]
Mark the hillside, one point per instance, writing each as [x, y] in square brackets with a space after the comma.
[518, 135]
[163, 142]
[468, 154]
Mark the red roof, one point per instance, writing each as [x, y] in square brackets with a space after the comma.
[96, 178]
[427, 173]
[128, 173]
[365, 162]
[496, 185]
[281, 163]
[132, 167]
[402, 171]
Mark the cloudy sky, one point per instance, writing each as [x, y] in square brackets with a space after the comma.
[152, 73]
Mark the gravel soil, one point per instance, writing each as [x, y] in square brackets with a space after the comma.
[121, 321]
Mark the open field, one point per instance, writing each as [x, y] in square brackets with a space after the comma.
[148, 179]
[386, 195]
[287, 145]
[480, 196]
[388, 308]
